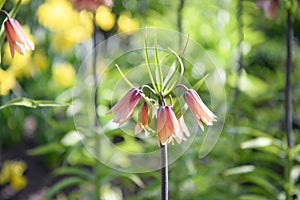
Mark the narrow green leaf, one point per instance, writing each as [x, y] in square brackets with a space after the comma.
[252, 197]
[295, 150]
[67, 182]
[239, 170]
[256, 143]
[200, 82]
[149, 67]
[74, 171]
[125, 78]
[30, 103]
[47, 148]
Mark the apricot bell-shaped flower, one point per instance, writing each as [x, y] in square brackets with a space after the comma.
[17, 39]
[198, 108]
[270, 7]
[168, 126]
[124, 109]
[143, 119]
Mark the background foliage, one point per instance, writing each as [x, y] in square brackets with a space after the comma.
[251, 157]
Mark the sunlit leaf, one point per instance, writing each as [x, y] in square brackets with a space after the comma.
[252, 197]
[295, 150]
[31, 103]
[46, 148]
[200, 82]
[295, 174]
[256, 143]
[2, 2]
[239, 170]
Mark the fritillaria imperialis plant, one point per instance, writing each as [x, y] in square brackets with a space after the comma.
[161, 113]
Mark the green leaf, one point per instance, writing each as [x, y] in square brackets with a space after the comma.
[295, 151]
[74, 171]
[239, 170]
[252, 197]
[30, 103]
[135, 179]
[257, 143]
[47, 148]
[61, 185]
[2, 2]
[200, 82]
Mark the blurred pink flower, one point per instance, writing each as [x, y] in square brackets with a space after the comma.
[143, 119]
[270, 7]
[124, 109]
[17, 39]
[90, 5]
[198, 108]
[299, 5]
[167, 126]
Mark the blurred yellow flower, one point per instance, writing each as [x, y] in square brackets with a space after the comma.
[63, 74]
[12, 172]
[7, 82]
[105, 18]
[70, 26]
[126, 22]
[40, 60]
[57, 15]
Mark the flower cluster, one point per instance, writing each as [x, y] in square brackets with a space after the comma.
[168, 126]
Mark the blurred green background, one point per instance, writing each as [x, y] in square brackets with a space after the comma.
[41, 157]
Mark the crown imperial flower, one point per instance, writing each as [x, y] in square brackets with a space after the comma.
[143, 119]
[198, 108]
[17, 39]
[270, 7]
[90, 5]
[124, 109]
[168, 126]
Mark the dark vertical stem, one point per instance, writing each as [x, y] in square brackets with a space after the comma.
[179, 22]
[288, 87]
[288, 102]
[97, 144]
[95, 71]
[164, 171]
[239, 18]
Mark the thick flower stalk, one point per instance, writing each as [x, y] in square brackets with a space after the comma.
[17, 39]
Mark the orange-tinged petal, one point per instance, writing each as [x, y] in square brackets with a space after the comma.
[124, 109]
[198, 108]
[17, 39]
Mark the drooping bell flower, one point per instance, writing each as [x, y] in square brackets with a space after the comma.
[270, 7]
[167, 126]
[124, 109]
[90, 5]
[17, 39]
[198, 108]
[143, 119]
